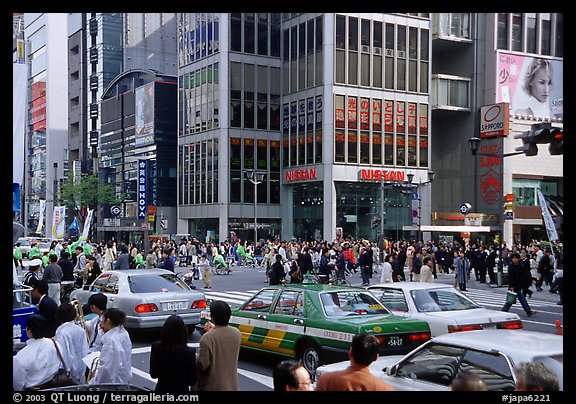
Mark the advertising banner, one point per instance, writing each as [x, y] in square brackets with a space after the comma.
[58, 222]
[532, 85]
[550, 228]
[41, 216]
[144, 111]
[141, 191]
[87, 222]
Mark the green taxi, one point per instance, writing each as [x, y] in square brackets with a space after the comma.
[316, 323]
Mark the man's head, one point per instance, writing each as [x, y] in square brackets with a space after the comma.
[53, 258]
[364, 349]
[34, 265]
[36, 326]
[291, 375]
[79, 250]
[220, 312]
[535, 376]
[466, 381]
[97, 302]
[39, 288]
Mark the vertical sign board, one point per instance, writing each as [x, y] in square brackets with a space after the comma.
[550, 228]
[141, 192]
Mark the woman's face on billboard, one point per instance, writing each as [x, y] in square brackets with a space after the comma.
[540, 85]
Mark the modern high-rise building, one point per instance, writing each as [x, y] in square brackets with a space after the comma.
[325, 107]
[483, 63]
[46, 150]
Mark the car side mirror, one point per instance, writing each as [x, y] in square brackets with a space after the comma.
[391, 371]
[86, 287]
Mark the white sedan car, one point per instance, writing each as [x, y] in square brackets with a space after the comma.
[491, 355]
[444, 307]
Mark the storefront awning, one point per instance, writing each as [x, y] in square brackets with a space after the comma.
[454, 229]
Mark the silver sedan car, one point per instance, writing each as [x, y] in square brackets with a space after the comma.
[147, 296]
[446, 309]
[490, 354]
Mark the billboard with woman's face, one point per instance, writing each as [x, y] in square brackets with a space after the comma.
[532, 85]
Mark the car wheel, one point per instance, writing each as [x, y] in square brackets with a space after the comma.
[309, 354]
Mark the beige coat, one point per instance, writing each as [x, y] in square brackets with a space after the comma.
[217, 362]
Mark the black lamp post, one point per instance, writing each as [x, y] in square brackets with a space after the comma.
[474, 144]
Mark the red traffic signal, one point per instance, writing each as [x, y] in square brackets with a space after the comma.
[556, 147]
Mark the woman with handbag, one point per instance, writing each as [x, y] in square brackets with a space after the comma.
[115, 363]
[517, 281]
[34, 366]
[72, 339]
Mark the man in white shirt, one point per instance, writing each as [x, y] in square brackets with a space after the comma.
[73, 341]
[38, 362]
[97, 302]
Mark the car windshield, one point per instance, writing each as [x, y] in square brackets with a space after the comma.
[431, 300]
[24, 242]
[346, 303]
[156, 283]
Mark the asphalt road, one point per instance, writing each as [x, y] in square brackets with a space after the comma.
[255, 369]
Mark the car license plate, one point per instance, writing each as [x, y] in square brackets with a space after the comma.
[394, 341]
[489, 327]
[171, 306]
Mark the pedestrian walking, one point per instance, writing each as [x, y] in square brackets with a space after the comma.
[217, 361]
[545, 269]
[172, 361]
[387, 274]
[462, 268]
[72, 340]
[36, 364]
[115, 363]
[53, 276]
[426, 272]
[204, 268]
[517, 281]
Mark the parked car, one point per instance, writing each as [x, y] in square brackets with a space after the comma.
[316, 323]
[148, 297]
[26, 244]
[445, 308]
[491, 354]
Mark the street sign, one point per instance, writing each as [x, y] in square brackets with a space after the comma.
[509, 215]
[414, 196]
[465, 208]
[115, 210]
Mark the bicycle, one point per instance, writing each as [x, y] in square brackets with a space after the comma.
[332, 279]
[218, 269]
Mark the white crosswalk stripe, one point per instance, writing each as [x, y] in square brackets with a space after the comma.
[230, 297]
[486, 298]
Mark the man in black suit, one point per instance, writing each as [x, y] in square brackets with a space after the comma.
[47, 307]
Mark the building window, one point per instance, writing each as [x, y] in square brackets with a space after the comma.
[559, 42]
[401, 59]
[502, 31]
[450, 92]
[249, 32]
[517, 32]
[390, 41]
[353, 51]
[531, 42]
[545, 34]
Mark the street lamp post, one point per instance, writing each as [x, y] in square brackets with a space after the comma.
[256, 177]
[474, 143]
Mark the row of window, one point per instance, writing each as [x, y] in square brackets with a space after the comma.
[199, 109]
[254, 96]
[198, 36]
[360, 121]
[198, 172]
[539, 33]
[255, 33]
[383, 55]
[302, 131]
[250, 154]
[303, 56]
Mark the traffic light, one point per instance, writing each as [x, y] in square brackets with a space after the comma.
[556, 147]
[540, 134]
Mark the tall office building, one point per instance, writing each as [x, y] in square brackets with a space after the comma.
[46, 152]
[325, 106]
[483, 63]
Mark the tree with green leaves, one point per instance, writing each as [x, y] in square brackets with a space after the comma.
[87, 193]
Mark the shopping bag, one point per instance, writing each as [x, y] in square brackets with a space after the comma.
[511, 297]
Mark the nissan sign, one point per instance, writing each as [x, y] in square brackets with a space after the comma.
[494, 120]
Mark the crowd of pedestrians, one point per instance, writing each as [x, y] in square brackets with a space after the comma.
[214, 367]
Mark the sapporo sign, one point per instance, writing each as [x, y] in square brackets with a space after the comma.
[494, 120]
